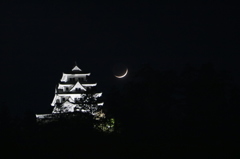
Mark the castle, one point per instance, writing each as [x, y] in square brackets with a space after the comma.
[75, 94]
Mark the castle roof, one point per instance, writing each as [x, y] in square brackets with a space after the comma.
[71, 83]
[76, 68]
[77, 85]
[65, 76]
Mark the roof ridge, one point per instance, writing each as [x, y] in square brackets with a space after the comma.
[76, 68]
[78, 83]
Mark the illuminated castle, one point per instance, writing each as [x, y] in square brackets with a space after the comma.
[75, 94]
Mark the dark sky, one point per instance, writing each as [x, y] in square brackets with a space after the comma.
[40, 41]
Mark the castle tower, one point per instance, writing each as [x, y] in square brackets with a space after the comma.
[75, 94]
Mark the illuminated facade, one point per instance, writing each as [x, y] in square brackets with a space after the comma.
[75, 94]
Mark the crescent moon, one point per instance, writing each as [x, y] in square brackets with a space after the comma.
[123, 74]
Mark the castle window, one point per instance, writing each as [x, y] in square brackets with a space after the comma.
[77, 99]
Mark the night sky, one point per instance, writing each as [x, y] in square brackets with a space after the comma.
[40, 41]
